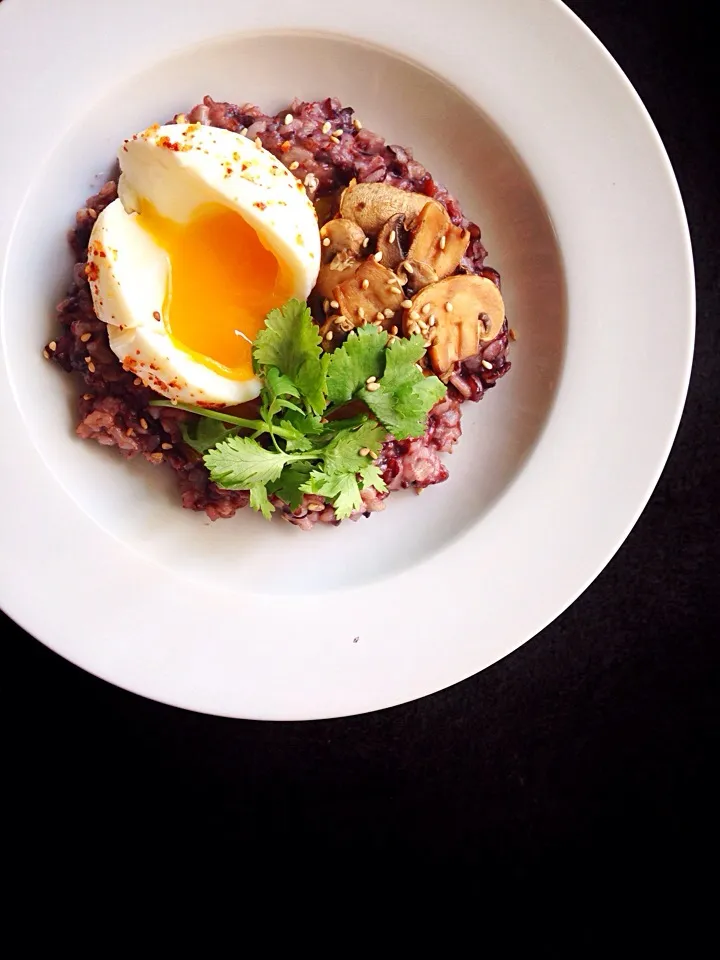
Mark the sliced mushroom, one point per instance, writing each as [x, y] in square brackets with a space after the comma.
[372, 295]
[342, 267]
[416, 274]
[338, 236]
[437, 241]
[454, 315]
[338, 327]
[371, 205]
[392, 241]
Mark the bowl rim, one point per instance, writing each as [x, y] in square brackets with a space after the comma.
[175, 669]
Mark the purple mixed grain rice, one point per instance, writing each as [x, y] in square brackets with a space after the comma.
[325, 146]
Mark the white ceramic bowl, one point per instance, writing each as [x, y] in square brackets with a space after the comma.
[522, 113]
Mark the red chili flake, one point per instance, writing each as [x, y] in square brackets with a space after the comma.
[260, 205]
[285, 146]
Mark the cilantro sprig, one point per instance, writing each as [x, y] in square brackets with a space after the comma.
[307, 446]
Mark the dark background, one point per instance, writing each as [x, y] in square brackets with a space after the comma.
[594, 740]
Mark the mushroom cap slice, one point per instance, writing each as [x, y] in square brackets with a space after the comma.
[455, 315]
[371, 205]
[342, 267]
[391, 240]
[371, 293]
[416, 274]
[343, 235]
[437, 241]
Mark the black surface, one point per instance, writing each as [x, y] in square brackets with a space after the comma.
[592, 739]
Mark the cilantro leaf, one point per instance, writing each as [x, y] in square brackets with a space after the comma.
[294, 439]
[241, 463]
[342, 454]
[204, 433]
[279, 385]
[360, 357]
[341, 488]
[288, 485]
[259, 500]
[405, 396]
[371, 477]
[291, 343]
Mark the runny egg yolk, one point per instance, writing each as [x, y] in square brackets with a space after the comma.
[222, 282]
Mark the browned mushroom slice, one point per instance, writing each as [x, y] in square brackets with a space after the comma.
[338, 236]
[454, 315]
[437, 241]
[372, 295]
[371, 205]
[392, 241]
[334, 331]
[342, 267]
[416, 274]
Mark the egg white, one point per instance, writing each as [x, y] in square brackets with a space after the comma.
[178, 168]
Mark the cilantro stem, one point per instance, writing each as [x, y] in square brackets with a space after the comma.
[259, 426]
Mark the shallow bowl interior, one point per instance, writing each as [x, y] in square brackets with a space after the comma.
[137, 503]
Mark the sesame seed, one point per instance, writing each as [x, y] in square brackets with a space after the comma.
[408, 268]
[414, 315]
[334, 139]
[379, 316]
[143, 423]
[156, 458]
[173, 401]
[361, 313]
[357, 124]
[427, 308]
[329, 335]
[377, 256]
[427, 343]
[166, 446]
[243, 132]
[372, 387]
[487, 364]
[52, 346]
[449, 307]
[258, 142]
[443, 241]
[46, 354]
[326, 305]
[388, 312]
[365, 284]
[137, 381]
[433, 320]
[327, 127]
[334, 304]
[288, 118]
[156, 315]
[512, 334]
[407, 304]
[338, 132]
[91, 367]
[371, 380]
[393, 331]
[364, 451]
[129, 432]
[373, 454]
[326, 241]
[294, 165]
[85, 337]
[87, 396]
[391, 236]
[366, 241]
[87, 359]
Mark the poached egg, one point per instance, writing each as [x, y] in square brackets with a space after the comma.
[209, 232]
